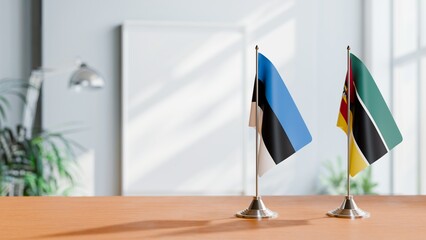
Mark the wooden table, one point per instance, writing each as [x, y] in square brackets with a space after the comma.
[392, 217]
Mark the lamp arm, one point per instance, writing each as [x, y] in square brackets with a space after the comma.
[33, 93]
[48, 71]
[32, 97]
[83, 76]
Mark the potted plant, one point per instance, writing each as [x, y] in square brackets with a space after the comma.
[35, 165]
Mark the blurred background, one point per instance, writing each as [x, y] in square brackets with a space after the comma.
[172, 117]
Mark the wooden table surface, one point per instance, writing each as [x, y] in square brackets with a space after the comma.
[300, 217]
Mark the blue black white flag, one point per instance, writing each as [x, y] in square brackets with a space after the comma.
[281, 127]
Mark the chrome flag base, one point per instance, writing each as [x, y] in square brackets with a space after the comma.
[348, 209]
[257, 209]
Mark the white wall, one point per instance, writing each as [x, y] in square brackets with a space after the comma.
[15, 47]
[378, 53]
[309, 39]
[395, 63]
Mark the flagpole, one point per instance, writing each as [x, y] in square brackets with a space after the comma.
[257, 208]
[348, 100]
[348, 208]
[257, 121]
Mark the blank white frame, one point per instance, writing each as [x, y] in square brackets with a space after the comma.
[138, 25]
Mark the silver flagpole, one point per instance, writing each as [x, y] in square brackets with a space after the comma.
[257, 208]
[348, 130]
[257, 121]
[348, 209]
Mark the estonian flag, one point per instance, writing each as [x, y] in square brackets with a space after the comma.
[281, 127]
[373, 131]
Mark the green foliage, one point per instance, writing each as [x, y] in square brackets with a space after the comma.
[334, 181]
[39, 163]
[33, 165]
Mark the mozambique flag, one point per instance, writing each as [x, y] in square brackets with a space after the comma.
[373, 131]
[282, 130]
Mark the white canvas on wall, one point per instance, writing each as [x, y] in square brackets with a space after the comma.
[182, 109]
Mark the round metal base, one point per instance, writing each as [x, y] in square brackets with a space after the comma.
[348, 209]
[257, 209]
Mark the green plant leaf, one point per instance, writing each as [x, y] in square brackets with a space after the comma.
[2, 113]
[47, 162]
[30, 180]
[334, 180]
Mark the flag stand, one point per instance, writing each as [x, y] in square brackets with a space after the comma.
[257, 208]
[348, 209]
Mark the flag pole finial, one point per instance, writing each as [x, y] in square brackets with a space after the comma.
[257, 47]
[349, 48]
